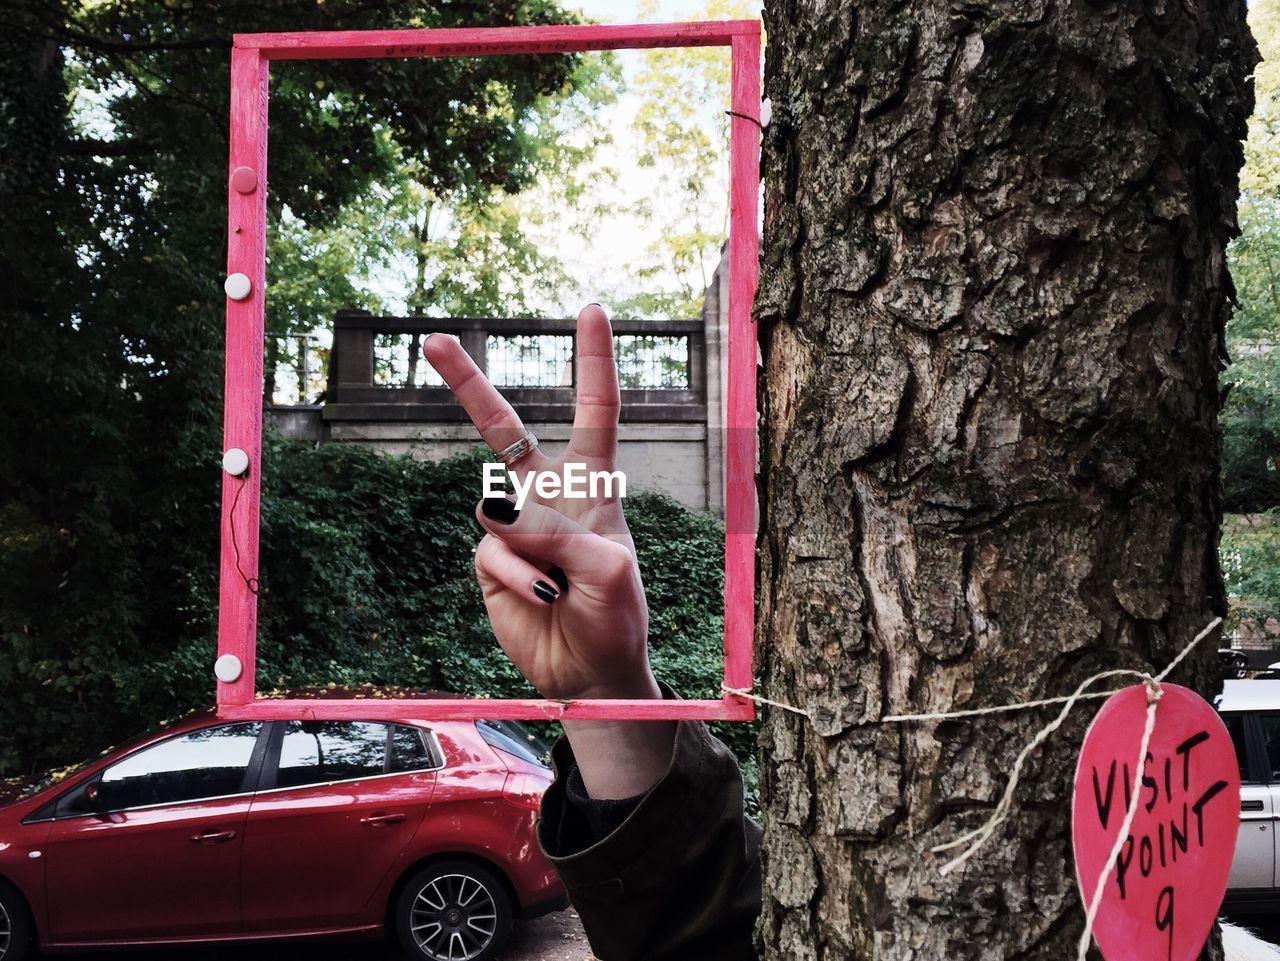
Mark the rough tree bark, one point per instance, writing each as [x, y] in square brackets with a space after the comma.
[991, 313]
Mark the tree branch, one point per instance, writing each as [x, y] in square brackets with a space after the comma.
[93, 147]
[77, 38]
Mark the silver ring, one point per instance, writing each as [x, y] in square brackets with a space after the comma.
[509, 455]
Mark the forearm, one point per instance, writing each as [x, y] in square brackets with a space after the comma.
[679, 878]
[622, 759]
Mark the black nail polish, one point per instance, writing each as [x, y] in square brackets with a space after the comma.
[499, 509]
[545, 591]
[559, 576]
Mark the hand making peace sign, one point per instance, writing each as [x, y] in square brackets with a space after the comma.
[580, 631]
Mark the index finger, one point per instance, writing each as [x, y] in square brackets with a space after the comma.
[595, 417]
[495, 419]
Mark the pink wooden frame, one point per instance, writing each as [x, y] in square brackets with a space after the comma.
[242, 420]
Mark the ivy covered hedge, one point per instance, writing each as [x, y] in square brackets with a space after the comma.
[366, 576]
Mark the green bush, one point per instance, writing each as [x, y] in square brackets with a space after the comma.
[366, 576]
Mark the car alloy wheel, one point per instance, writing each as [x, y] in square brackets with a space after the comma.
[17, 941]
[457, 913]
[454, 918]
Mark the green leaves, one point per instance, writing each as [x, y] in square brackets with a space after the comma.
[116, 116]
[1250, 418]
[1250, 551]
[684, 133]
[366, 577]
[1251, 414]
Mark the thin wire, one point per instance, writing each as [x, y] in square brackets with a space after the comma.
[249, 582]
[754, 120]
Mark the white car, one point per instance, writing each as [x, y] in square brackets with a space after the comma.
[1251, 711]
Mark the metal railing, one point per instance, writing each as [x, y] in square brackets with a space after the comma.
[377, 372]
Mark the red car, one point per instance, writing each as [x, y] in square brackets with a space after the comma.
[221, 831]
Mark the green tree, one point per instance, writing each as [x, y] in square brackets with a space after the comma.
[1251, 414]
[684, 139]
[115, 120]
[1250, 552]
[470, 248]
[1250, 546]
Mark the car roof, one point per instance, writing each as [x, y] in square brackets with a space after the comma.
[207, 716]
[1250, 695]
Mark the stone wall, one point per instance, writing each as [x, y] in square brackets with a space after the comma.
[668, 457]
[669, 450]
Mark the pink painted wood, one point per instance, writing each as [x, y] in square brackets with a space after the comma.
[478, 708]
[242, 410]
[242, 418]
[740, 414]
[493, 41]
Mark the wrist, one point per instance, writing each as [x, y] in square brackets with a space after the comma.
[636, 686]
[622, 759]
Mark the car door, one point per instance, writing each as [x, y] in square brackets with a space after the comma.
[1253, 865]
[158, 854]
[340, 801]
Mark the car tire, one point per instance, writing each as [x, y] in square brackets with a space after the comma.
[454, 910]
[17, 936]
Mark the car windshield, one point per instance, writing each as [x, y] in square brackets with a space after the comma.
[514, 738]
[20, 788]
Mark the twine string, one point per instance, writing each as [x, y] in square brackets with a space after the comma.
[1070, 699]
[979, 836]
[725, 689]
[976, 838]
[1154, 693]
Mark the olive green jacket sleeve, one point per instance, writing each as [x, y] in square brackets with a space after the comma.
[679, 879]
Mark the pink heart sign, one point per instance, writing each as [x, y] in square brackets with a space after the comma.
[1163, 894]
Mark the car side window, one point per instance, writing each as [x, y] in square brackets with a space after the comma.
[317, 752]
[409, 750]
[1236, 728]
[514, 738]
[208, 763]
[1271, 743]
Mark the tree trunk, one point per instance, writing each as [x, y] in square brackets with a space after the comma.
[992, 312]
[269, 372]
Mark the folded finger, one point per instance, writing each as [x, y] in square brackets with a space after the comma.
[545, 534]
[497, 562]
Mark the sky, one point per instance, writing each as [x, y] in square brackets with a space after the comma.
[627, 11]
